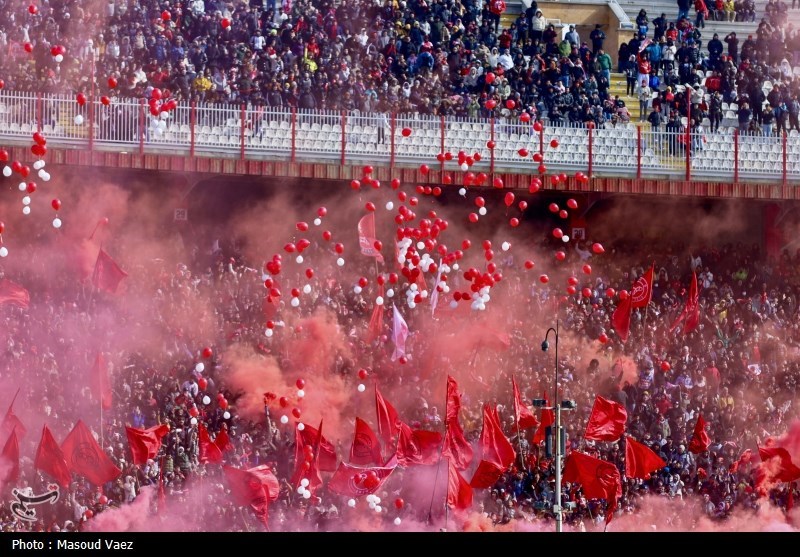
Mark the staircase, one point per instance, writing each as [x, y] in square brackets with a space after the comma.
[618, 85]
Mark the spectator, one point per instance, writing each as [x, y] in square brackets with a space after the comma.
[644, 94]
[597, 36]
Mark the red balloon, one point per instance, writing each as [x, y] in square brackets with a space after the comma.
[487, 244]
[283, 401]
[544, 279]
[296, 413]
[587, 292]
[103, 500]
[514, 222]
[301, 226]
[490, 77]
[553, 208]
[28, 47]
[563, 213]
[558, 233]
[194, 412]
[610, 292]
[554, 143]
[207, 352]
[80, 98]
[402, 360]
[355, 184]
[225, 22]
[561, 256]
[535, 185]
[2, 227]
[522, 205]
[572, 204]
[537, 126]
[300, 383]
[112, 82]
[523, 152]
[395, 183]
[424, 169]
[406, 132]
[571, 290]
[105, 100]
[38, 150]
[326, 235]
[525, 117]
[88, 513]
[370, 206]
[33, 10]
[665, 366]
[202, 383]
[39, 138]
[466, 244]
[623, 295]
[491, 144]
[321, 212]
[562, 177]
[3, 155]
[542, 169]
[398, 503]
[587, 269]
[603, 338]
[378, 245]
[509, 199]
[2, 83]
[363, 282]
[498, 182]
[473, 217]
[362, 374]
[339, 248]
[166, 16]
[537, 157]
[572, 281]
[510, 104]
[480, 202]
[55, 204]
[491, 103]
[598, 248]
[310, 273]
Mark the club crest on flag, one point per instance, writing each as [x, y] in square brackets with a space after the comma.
[24, 506]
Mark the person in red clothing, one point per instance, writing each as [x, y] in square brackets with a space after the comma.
[643, 64]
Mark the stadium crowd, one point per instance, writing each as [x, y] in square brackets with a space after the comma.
[739, 369]
[448, 57]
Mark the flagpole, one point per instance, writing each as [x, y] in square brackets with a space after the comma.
[438, 465]
[516, 423]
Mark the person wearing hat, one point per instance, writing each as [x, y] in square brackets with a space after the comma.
[538, 25]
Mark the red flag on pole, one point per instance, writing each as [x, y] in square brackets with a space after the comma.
[366, 449]
[9, 460]
[700, 440]
[50, 459]
[13, 294]
[486, 475]
[607, 421]
[322, 456]
[209, 451]
[525, 418]
[223, 441]
[642, 289]
[107, 274]
[780, 468]
[145, 443]
[327, 452]
[640, 460]
[388, 421]
[690, 316]
[621, 319]
[376, 321]
[598, 478]
[399, 334]
[356, 481]
[456, 447]
[367, 237]
[85, 457]
[459, 493]
[497, 453]
[253, 488]
[11, 422]
[100, 381]
[417, 446]
[548, 419]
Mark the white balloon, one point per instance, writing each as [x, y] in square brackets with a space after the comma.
[6, 171]
[361, 388]
[370, 498]
[565, 238]
[357, 289]
[284, 419]
[46, 176]
[379, 300]
[420, 245]
[412, 304]
[372, 506]
[455, 266]
[26, 210]
[78, 120]
[390, 293]
[462, 192]
[340, 262]
[306, 494]
[200, 367]
[226, 415]
[300, 393]
[378, 508]
[268, 332]
[193, 421]
[26, 200]
[38, 165]
[22, 186]
[464, 166]
[304, 482]
[351, 503]
[301, 426]
[164, 115]
[299, 259]
[59, 58]
[162, 125]
[453, 304]
[307, 289]
[206, 400]
[505, 246]
[389, 205]
[301, 488]
[482, 211]
[412, 289]
[3, 252]
[397, 521]
[295, 302]
[317, 221]
[376, 499]
[42, 173]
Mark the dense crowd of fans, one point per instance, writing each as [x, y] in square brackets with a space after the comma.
[738, 369]
[415, 56]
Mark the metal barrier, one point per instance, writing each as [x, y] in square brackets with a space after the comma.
[254, 132]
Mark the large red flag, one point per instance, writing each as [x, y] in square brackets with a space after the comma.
[607, 421]
[355, 481]
[640, 460]
[621, 319]
[780, 466]
[11, 422]
[367, 237]
[691, 311]
[327, 452]
[642, 289]
[209, 451]
[223, 441]
[525, 418]
[599, 479]
[388, 421]
[107, 274]
[9, 460]
[100, 381]
[253, 488]
[13, 294]
[376, 321]
[456, 446]
[459, 493]
[495, 447]
[417, 446]
[700, 440]
[85, 457]
[145, 443]
[485, 475]
[50, 459]
[548, 419]
[366, 449]
[321, 452]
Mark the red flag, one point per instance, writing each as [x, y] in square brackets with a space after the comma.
[9, 460]
[607, 421]
[145, 443]
[781, 469]
[459, 493]
[388, 421]
[327, 452]
[548, 419]
[525, 418]
[642, 289]
[209, 451]
[366, 448]
[100, 381]
[399, 334]
[691, 311]
[640, 460]
[13, 294]
[700, 440]
[309, 462]
[417, 446]
[486, 475]
[222, 441]
[376, 321]
[367, 237]
[85, 457]
[621, 319]
[107, 274]
[495, 447]
[50, 459]
[355, 481]
[599, 479]
[11, 422]
[456, 447]
[253, 488]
